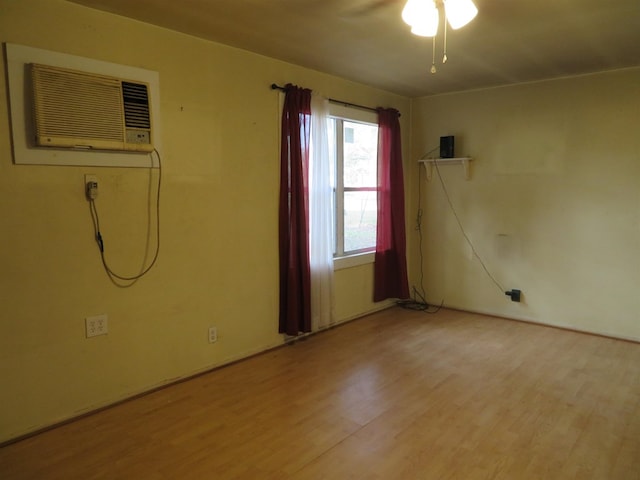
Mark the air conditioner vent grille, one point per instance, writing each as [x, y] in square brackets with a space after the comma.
[136, 105]
[77, 104]
[78, 109]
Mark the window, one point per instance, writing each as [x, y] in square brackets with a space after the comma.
[354, 146]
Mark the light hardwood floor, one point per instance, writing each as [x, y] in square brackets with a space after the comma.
[396, 395]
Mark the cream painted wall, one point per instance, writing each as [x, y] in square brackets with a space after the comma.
[218, 261]
[552, 206]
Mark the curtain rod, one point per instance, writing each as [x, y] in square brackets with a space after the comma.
[333, 100]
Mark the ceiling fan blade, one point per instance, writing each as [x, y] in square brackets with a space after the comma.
[370, 7]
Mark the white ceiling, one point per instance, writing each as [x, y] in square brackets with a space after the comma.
[510, 41]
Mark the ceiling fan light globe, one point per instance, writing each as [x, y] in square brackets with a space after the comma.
[425, 30]
[425, 20]
[460, 12]
[410, 11]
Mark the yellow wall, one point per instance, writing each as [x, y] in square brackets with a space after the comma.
[218, 263]
[552, 206]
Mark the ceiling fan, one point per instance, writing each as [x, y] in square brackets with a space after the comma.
[424, 16]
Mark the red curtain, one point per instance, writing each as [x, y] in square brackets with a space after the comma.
[390, 269]
[295, 290]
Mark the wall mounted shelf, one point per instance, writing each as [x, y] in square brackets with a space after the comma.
[464, 161]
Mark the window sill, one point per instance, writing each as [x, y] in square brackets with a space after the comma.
[356, 260]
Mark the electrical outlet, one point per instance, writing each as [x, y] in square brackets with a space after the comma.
[91, 186]
[97, 325]
[213, 334]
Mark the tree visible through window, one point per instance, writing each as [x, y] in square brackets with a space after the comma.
[355, 147]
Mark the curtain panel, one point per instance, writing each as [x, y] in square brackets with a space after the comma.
[295, 293]
[390, 268]
[321, 217]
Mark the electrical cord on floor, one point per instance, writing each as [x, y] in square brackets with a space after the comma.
[419, 303]
[117, 279]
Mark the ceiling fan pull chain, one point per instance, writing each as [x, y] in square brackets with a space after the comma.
[433, 57]
[444, 56]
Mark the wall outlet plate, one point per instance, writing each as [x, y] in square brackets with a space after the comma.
[213, 334]
[90, 179]
[97, 325]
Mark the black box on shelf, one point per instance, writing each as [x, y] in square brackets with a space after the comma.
[446, 147]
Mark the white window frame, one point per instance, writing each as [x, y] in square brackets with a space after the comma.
[342, 112]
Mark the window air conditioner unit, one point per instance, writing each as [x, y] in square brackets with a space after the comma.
[74, 109]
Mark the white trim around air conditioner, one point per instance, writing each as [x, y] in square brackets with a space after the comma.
[24, 149]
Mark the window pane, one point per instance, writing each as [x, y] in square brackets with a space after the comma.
[360, 154]
[360, 220]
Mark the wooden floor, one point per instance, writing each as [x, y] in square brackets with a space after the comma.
[396, 395]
